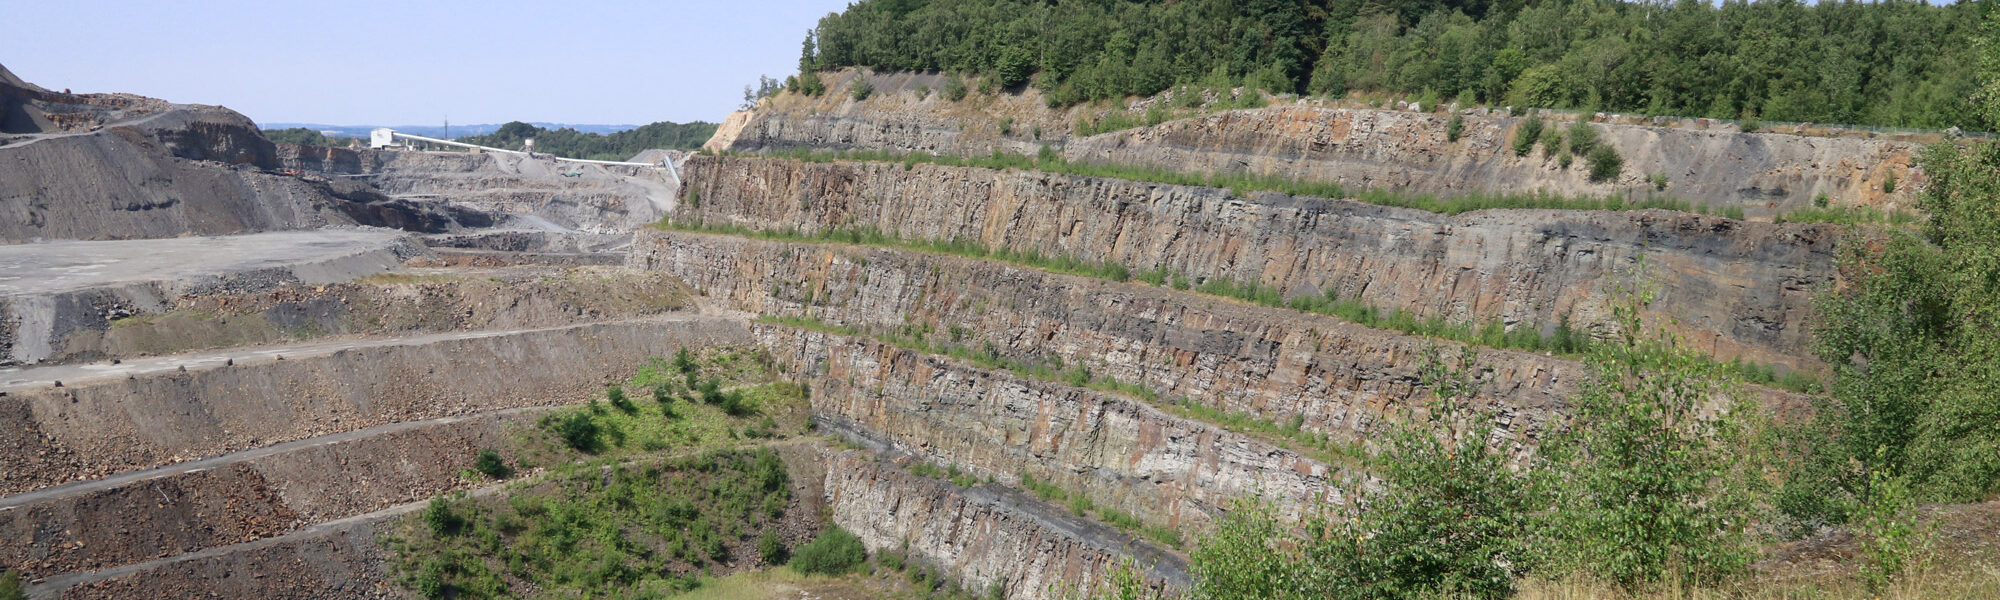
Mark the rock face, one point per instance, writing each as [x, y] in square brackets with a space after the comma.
[1335, 377]
[1116, 451]
[985, 536]
[1762, 173]
[102, 419]
[1736, 288]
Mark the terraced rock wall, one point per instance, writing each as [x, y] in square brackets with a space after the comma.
[1335, 377]
[1118, 452]
[982, 535]
[1736, 288]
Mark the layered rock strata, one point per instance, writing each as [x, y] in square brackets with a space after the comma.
[1334, 377]
[1118, 452]
[1735, 288]
[985, 535]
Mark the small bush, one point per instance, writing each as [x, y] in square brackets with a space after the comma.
[577, 430]
[1605, 164]
[10, 586]
[1527, 135]
[810, 84]
[684, 361]
[440, 518]
[923, 91]
[861, 90]
[1582, 137]
[770, 548]
[1889, 185]
[490, 463]
[1006, 126]
[1454, 127]
[1749, 124]
[954, 87]
[1552, 140]
[834, 552]
[1821, 200]
[619, 401]
[1564, 159]
[1659, 181]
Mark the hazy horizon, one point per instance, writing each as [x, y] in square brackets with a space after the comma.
[365, 62]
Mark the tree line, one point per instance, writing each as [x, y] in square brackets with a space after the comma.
[570, 143]
[1893, 63]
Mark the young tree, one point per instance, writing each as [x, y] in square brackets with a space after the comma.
[1653, 473]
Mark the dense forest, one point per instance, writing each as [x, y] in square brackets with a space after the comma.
[571, 143]
[1892, 63]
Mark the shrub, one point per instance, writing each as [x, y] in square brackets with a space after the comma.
[1527, 135]
[1006, 126]
[1749, 123]
[490, 463]
[577, 430]
[834, 552]
[1582, 137]
[684, 361]
[1605, 164]
[440, 518]
[619, 401]
[1889, 184]
[923, 91]
[810, 84]
[954, 87]
[1565, 159]
[10, 586]
[770, 548]
[1659, 181]
[862, 89]
[1552, 140]
[1454, 127]
[1821, 200]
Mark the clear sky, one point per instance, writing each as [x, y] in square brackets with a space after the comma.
[416, 62]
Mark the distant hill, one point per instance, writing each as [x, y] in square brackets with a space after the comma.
[361, 131]
[573, 143]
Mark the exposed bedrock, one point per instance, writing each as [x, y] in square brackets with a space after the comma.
[1764, 173]
[1736, 288]
[1118, 452]
[336, 563]
[1703, 162]
[244, 496]
[984, 535]
[1276, 364]
[104, 419]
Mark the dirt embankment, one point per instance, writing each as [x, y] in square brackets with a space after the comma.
[1736, 288]
[408, 301]
[106, 419]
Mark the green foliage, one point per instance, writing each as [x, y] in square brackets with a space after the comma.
[810, 84]
[1909, 337]
[576, 429]
[617, 531]
[616, 395]
[622, 145]
[954, 87]
[1454, 127]
[490, 463]
[685, 363]
[1821, 200]
[1889, 184]
[771, 548]
[834, 552]
[1605, 164]
[1659, 181]
[10, 586]
[1525, 136]
[1649, 487]
[1582, 137]
[861, 89]
[299, 135]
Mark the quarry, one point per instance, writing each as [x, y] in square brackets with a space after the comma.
[235, 368]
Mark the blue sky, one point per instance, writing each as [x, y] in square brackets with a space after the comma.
[416, 62]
